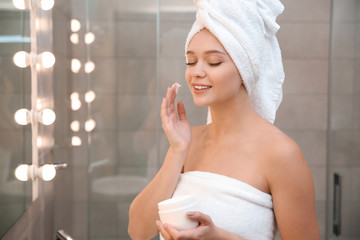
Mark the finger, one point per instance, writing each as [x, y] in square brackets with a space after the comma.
[181, 111]
[168, 100]
[199, 217]
[186, 234]
[172, 97]
[173, 233]
[163, 231]
[163, 111]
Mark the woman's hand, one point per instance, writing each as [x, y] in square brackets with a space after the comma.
[206, 229]
[178, 130]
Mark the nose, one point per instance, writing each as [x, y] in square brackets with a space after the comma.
[198, 71]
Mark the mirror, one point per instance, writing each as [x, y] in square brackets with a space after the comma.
[15, 93]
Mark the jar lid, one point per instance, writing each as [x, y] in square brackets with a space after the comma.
[176, 202]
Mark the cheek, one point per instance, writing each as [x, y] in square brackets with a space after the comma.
[188, 76]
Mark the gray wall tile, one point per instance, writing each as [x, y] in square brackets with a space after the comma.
[304, 40]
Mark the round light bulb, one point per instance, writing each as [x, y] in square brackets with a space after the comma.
[22, 116]
[22, 59]
[74, 38]
[76, 141]
[47, 59]
[38, 103]
[74, 96]
[48, 172]
[75, 65]
[37, 24]
[22, 172]
[75, 104]
[75, 25]
[46, 4]
[75, 126]
[89, 67]
[39, 142]
[90, 96]
[47, 117]
[19, 4]
[89, 38]
[90, 125]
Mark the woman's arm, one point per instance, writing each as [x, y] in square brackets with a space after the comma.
[292, 189]
[144, 210]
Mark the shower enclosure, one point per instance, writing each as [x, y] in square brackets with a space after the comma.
[343, 161]
[114, 62]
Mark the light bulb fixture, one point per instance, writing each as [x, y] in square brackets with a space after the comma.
[75, 126]
[74, 96]
[89, 67]
[90, 125]
[23, 59]
[90, 96]
[75, 104]
[47, 59]
[21, 4]
[46, 4]
[39, 142]
[24, 116]
[75, 141]
[46, 172]
[75, 25]
[26, 4]
[75, 65]
[23, 172]
[89, 38]
[47, 116]
[74, 38]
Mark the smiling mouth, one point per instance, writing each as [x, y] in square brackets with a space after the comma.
[201, 87]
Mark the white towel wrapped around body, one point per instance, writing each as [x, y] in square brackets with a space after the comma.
[232, 204]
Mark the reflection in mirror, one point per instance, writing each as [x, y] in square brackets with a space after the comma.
[15, 140]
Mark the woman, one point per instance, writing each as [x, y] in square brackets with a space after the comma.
[248, 176]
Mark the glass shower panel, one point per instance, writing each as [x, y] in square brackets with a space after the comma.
[344, 123]
[122, 150]
[15, 93]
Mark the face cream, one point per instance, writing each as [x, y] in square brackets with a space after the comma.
[173, 211]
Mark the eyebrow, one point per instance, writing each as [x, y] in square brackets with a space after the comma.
[207, 52]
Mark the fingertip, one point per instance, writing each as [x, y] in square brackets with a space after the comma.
[190, 213]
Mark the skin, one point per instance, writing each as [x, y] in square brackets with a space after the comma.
[238, 143]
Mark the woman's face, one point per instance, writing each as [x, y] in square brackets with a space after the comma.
[211, 74]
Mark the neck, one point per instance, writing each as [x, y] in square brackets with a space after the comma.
[232, 116]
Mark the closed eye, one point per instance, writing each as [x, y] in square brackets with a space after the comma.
[215, 64]
[190, 63]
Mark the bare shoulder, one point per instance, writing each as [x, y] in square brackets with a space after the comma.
[281, 149]
[291, 185]
[284, 159]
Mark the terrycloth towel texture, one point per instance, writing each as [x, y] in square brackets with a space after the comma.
[246, 29]
[232, 204]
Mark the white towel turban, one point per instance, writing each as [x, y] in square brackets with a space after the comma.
[246, 29]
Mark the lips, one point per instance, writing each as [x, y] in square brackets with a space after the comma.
[201, 88]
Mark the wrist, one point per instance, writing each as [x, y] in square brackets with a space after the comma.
[180, 150]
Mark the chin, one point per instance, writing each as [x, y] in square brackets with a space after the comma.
[201, 102]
